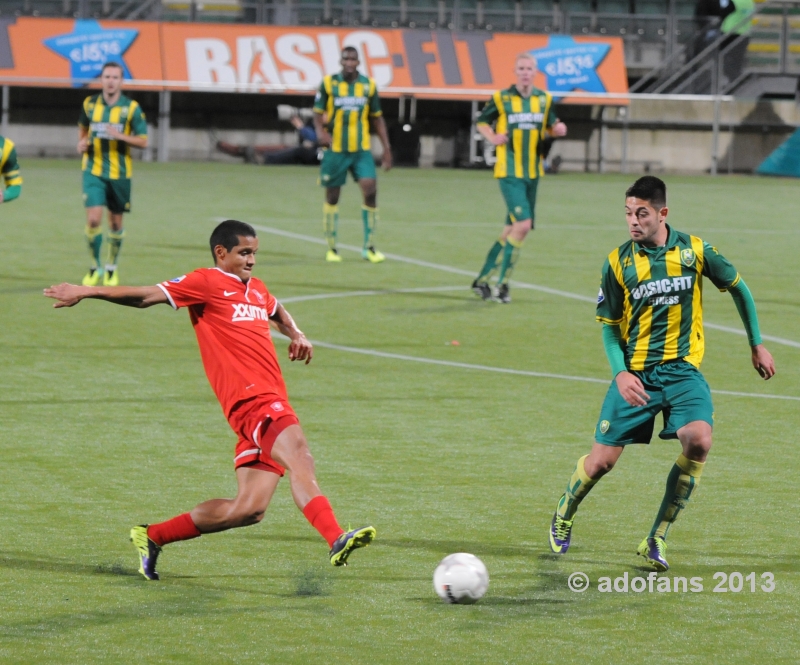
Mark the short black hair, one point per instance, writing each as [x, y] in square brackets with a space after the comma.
[111, 63]
[649, 188]
[350, 49]
[228, 233]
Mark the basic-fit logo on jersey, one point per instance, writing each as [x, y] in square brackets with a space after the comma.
[245, 312]
[658, 287]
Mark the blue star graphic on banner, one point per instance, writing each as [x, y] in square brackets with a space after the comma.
[569, 65]
[89, 46]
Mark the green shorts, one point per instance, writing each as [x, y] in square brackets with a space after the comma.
[676, 388]
[335, 165]
[520, 197]
[112, 194]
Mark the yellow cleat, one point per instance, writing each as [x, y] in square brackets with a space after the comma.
[111, 278]
[372, 255]
[344, 545]
[93, 277]
[333, 256]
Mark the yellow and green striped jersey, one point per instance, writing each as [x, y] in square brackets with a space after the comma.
[348, 107]
[655, 295]
[524, 120]
[9, 166]
[106, 157]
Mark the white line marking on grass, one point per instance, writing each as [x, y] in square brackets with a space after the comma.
[502, 370]
[353, 294]
[520, 285]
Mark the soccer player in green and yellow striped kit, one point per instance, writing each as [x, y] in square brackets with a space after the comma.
[9, 168]
[349, 102]
[110, 123]
[522, 115]
[651, 307]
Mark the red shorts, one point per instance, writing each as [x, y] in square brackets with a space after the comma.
[258, 422]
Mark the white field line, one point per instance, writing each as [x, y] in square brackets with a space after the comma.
[502, 370]
[377, 292]
[514, 283]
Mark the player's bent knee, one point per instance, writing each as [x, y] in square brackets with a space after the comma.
[291, 450]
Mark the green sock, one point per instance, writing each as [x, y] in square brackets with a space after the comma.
[369, 217]
[577, 488]
[490, 265]
[114, 245]
[510, 256]
[682, 479]
[94, 239]
[330, 223]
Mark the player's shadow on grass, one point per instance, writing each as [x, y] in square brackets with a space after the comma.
[449, 546]
[50, 565]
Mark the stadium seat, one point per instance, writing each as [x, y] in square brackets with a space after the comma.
[652, 19]
[538, 16]
[613, 18]
[422, 13]
[581, 17]
[499, 14]
[215, 11]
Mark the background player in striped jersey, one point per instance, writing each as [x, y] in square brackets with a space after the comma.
[9, 168]
[231, 311]
[523, 115]
[651, 307]
[110, 123]
[349, 101]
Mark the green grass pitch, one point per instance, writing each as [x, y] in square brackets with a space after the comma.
[108, 421]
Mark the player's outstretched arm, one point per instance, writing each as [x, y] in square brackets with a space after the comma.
[746, 306]
[299, 348]
[69, 295]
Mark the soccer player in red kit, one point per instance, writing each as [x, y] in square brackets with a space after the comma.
[231, 312]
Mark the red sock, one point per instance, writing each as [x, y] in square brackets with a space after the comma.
[178, 528]
[318, 511]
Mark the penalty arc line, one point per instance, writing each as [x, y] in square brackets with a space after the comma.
[502, 370]
[514, 283]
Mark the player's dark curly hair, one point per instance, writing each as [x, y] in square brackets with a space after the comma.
[228, 233]
[649, 188]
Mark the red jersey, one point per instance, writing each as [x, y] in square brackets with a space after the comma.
[231, 321]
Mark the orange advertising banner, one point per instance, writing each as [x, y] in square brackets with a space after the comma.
[275, 59]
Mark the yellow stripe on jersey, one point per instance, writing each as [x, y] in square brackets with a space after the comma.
[127, 130]
[501, 152]
[8, 146]
[113, 146]
[365, 113]
[353, 119]
[328, 82]
[697, 345]
[613, 260]
[642, 264]
[533, 139]
[516, 107]
[97, 116]
[674, 313]
[338, 121]
[548, 104]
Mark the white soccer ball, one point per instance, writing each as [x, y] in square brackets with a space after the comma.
[461, 578]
